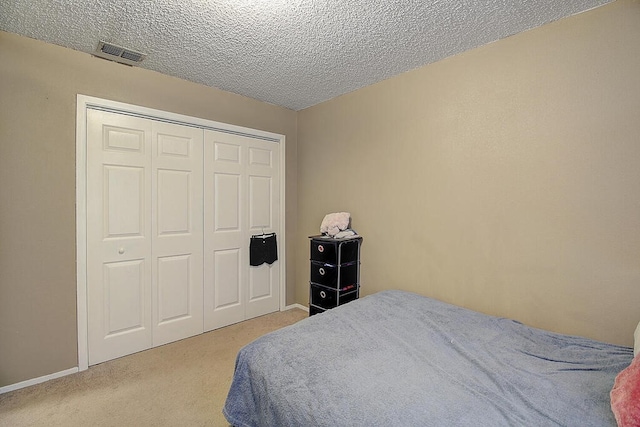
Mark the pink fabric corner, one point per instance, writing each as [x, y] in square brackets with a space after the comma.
[625, 395]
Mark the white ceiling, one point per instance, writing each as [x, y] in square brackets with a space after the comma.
[292, 53]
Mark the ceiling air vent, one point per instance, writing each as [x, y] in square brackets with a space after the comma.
[119, 54]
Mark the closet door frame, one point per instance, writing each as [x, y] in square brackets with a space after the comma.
[85, 103]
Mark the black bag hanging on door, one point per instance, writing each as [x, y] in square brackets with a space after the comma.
[263, 248]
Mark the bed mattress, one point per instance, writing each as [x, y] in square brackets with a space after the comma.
[396, 358]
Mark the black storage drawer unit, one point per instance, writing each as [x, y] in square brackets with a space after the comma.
[335, 272]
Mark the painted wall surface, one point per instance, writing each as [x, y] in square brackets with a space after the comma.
[38, 87]
[505, 179]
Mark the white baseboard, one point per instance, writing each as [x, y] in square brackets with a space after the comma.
[34, 381]
[300, 306]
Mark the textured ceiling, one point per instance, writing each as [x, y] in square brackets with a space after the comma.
[292, 53]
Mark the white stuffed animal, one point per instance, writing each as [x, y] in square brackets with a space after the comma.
[334, 223]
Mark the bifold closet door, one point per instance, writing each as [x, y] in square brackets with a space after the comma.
[144, 234]
[242, 198]
[118, 235]
[177, 230]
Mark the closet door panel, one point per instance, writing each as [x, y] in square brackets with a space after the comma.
[177, 232]
[260, 283]
[227, 279]
[174, 191]
[124, 198]
[118, 235]
[260, 209]
[226, 204]
[225, 230]
[263, 172]
[124, 293]
[173, 296]
[241, 199]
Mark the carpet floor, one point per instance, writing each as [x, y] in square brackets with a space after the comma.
[184, 383]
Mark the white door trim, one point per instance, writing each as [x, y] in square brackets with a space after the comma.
[84, 103]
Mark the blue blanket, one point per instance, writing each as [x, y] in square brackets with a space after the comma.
[400, 359]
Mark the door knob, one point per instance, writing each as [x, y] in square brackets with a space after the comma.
[121, 251]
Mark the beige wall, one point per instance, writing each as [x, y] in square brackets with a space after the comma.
[38, 87]
[505, 179]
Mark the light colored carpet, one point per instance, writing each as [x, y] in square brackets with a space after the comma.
[179, 384]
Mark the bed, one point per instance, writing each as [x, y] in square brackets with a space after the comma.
[396, 358]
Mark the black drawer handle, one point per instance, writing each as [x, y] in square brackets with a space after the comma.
[321, 271]
[323, 294]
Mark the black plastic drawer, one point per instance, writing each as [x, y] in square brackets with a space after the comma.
[327, 274]
[315, 310]
[327, 250]
[326, 298]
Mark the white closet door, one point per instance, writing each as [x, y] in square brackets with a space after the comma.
[177, 228]
[242, 198]
[170, 213]
[144, 234]
[118, 235]
[263, 198]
